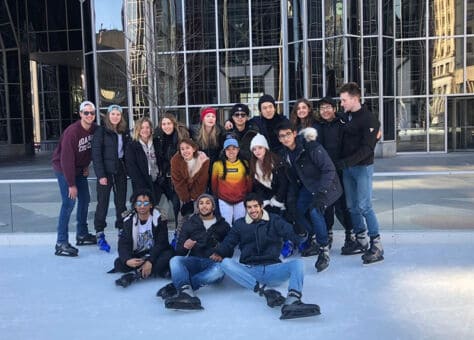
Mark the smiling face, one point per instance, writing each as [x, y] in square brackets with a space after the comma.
[205, 207]
[186, 151]
[115, 117]
[302, 110]
[167, 126]
[254, 210]
[240, 118]
[209, 121]
[327, 112]
[145, 131]
[231, 153]
[87, 116]
[267, 109]
[287, 138]
[143, 206]
[259, 152]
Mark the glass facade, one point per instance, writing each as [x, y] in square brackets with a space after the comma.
[414, 60]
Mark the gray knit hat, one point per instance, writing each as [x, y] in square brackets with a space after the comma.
[196, 202]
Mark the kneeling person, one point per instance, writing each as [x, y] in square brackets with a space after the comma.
[193, 269]
[143, 245]
[260, 236]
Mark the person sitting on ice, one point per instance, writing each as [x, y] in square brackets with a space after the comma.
[143, 245]
[260, 236]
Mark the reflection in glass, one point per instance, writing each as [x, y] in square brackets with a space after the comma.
[371, 64]
[410, 19]
[333, 17]
[233, 24]
[411, 124]
[370, 22]
[353, 59]
[352, 12]
[388, 58]
[202, 82]
[470, 62]
[436, 118]
[447, 71]
[112, 78]
[200, 25]
[314, 19]
[266, 23]
[234, 75]
[460, 123]
[266, 64]
[334, 65]
[388, 119]
[170, 80]
[108, 14]
[410, 68]
[295, 67]
[387, 17]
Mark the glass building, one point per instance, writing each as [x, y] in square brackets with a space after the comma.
[414, 60]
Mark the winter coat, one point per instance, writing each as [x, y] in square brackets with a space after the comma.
[188, 189]
[211, 152]
[259, 242]
[207, 240]
[359, 138]
[268, 128]
[160, 238]
[244, 137]
[137, 167]
[330, 136]
[105, 151]
[279, 184]
[168, 146]
[314, 169]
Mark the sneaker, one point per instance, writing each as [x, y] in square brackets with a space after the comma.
[375, 253]
[323, 259]
[65, 249]
[101, 242]
[359, 245]
[287, 249]
[85, 240]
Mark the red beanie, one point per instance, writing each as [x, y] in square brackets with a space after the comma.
[206, 111]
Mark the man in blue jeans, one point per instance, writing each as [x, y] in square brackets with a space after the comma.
[360, 135]
[192, 268]
[260, 236]
[71, 160]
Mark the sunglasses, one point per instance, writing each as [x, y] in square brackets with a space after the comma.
[241, 115]
[86, 113]
[142, 204]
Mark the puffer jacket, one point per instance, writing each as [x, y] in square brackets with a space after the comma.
[259, 242]
[207, 240]
[105, 151]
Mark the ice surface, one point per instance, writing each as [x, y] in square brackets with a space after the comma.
[423, 289]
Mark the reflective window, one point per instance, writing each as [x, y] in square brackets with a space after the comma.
[353, 19]
[200, 25]
[387, 17]
[56, 13]
[202, 78]
[334, 65]
[370, 23]
[170, 79]
[112, 78]
[460, 123]
[437, 112]
[447, 66]
[371, 64]
[410, 18]
[267, 73]
[470, 64]
[388, 119]
[411, 124]
[388, 58]
[234, 75]
[353, 59]
[314, 19]
[295, 67]
[266, 23]
[316, 71]
[410, 67]
[36, 15]
[446, 18]
[3, 131]
[233, 24]
[333, 17]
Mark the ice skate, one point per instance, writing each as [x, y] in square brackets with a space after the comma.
[127, 279]
[184, 300]
[375, 253]
[65, 249]
[323, 259]
[273, 297]
[86, 240]
[167, 291]
[294, 308]
[360, 245]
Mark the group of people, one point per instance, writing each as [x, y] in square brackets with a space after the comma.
[269, 185]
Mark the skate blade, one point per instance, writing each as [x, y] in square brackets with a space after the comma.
[85, 243]
[299, 315]
[65, 254]
[367, 264]
[185, 308]
[353, 253]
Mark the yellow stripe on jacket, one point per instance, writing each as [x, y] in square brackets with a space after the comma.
[235, 186]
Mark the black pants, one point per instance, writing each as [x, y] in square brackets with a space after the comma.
[161, 266]
[117, 183]
[339, 208]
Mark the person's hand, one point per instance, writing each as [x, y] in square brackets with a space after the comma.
[85, 172]
[319, 202]
[134, 263]
[72, 192]
[228, 125]
[103, 181]
[146, 269]
[189, 244]
[216, 257]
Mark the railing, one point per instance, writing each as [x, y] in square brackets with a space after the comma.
[402, 200]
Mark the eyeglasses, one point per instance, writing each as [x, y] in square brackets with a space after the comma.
[325, 108]
[241, 115]
[286, 135]
[86, 113]
[142, 204]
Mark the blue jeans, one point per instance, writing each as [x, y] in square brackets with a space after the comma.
[273, 274]
[317, 226]
[194, 271]
[67, 206]
[358, 190]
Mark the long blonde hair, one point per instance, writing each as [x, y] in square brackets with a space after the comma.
[138, 127]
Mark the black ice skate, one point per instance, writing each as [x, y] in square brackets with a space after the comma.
[65, 249]
[127, 279]
[323, 259]
[312, 249]
[360, 245]
[167, 291]
[273, 297]
[184, 300]
[86, 240]
[375, 253]
[294, 308]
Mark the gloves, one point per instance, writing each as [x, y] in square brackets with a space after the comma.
[187, 208]
[287, 249]
[275, 203]
[319, 202]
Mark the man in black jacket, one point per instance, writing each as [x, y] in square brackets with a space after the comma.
[260, 236]
[193, 268]
[357, 162]
[331, 130]
[318, 185]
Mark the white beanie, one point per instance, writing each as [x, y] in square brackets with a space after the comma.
[259, 140]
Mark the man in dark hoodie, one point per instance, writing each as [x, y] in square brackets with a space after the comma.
[192, 268]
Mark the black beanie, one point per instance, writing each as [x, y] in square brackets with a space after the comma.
[265, 98]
